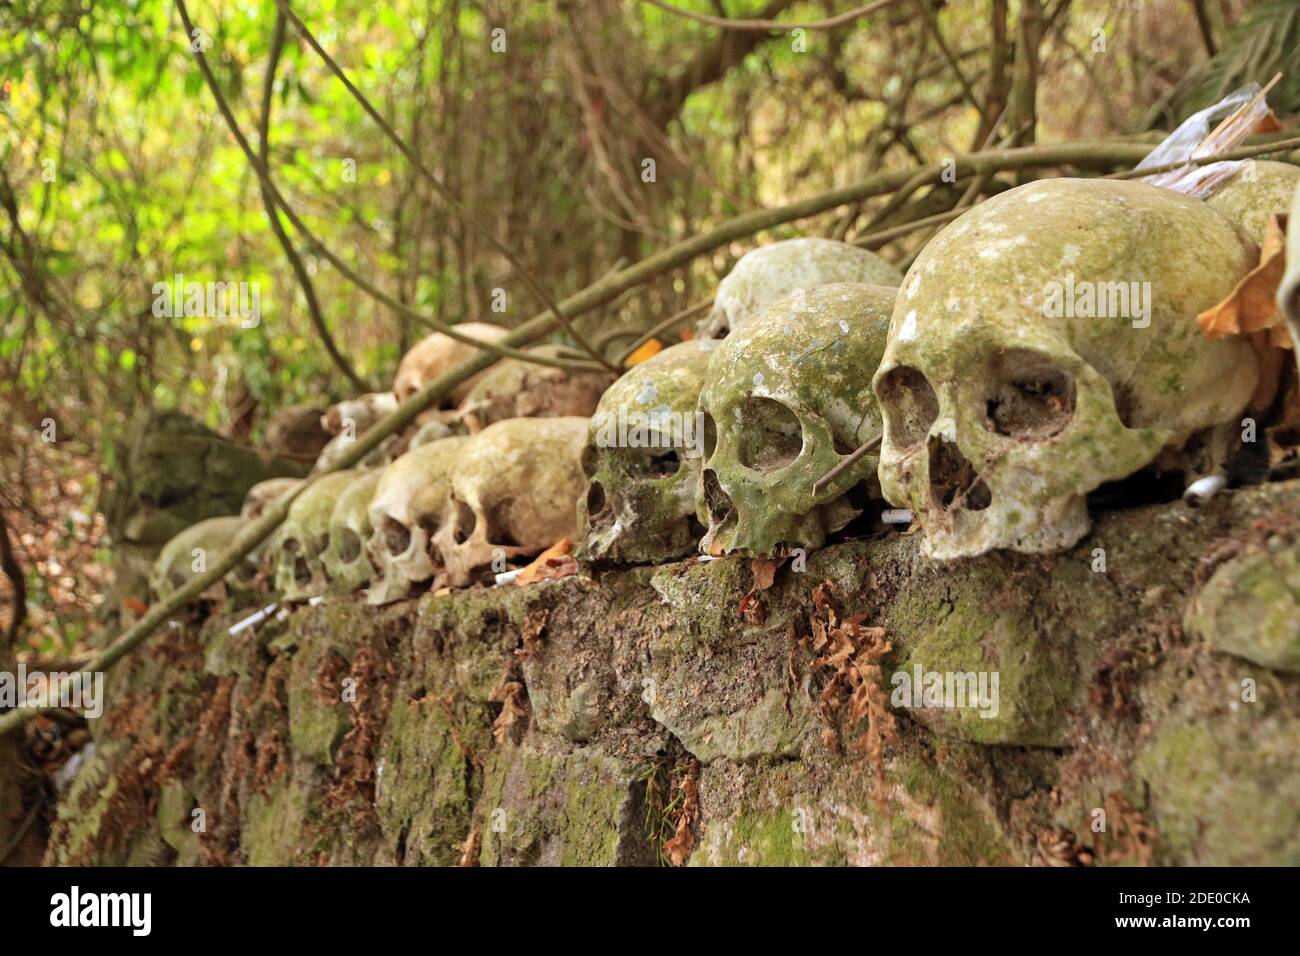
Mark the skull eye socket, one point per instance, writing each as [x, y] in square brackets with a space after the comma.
[589, 461]
[349, 545]
[291, 545]
[710, 435]
[770, 436]
[1033, 397]
[466, 521]
[909, 404]
[397, 536]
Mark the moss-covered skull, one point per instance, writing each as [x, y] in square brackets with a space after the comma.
[299, 573]
[1260, 191]
[514, 388]
[770, 273]
[404, 514]
[346, 562]
[786, 397]
[1045, 343]
[194, 551]
[642, 459]
[514, 493]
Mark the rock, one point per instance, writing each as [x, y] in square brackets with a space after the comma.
[1250, 607]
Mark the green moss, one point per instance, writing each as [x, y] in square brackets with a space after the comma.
[1250, 607]
[273, 825]
[755, 839]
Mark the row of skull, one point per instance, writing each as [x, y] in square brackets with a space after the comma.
[995, 416]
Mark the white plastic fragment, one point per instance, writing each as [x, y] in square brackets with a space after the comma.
[1203, 489]
[507, 577]
[254, 619]
[896, 516]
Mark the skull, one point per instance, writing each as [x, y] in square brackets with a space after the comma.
[191, 552]
[264, 493]
[517, 389]
[643, 459]
[786, 398]
[1288, 293]
[356, 415]
[299, 573]
[769, 273]
[404, 512]
[345, 559]
[514, 492]
[1001, 416]
[1261, 190]
[438, 354]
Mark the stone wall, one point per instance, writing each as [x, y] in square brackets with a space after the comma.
[587, 720]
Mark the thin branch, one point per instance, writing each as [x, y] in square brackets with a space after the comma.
[273, 216]
[727, 23]
[451, 200]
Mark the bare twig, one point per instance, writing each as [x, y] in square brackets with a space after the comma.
[846, 463]
[14, 572]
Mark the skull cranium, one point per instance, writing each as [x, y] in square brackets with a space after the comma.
[514, 493]
[1261, 190]
[404, 512]
[436, 354]
[514, 388]
[643, 460]
[770, 273]
[1046, 343]
[787, 398]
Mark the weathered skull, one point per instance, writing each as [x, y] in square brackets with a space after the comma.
[516, 389]
[404, 512]
[1260, 191]
[786, 397]
[1006, 401]
[356, 415]
[265, 492]
[438, 354]
[770, 273]
[346, 562]
[194, 550]
[514, 493]
[643, 457]
[299, 573]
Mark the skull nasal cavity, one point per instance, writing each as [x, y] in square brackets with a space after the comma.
[953, 481]
[770, 436]
[349, 545]
[595, 498]
[719, 504]
[1033, 397]
[909, 404]
[397, 536]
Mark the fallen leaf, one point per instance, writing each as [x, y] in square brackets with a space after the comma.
[1252, 304]
[645, 351]
[557, 561]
